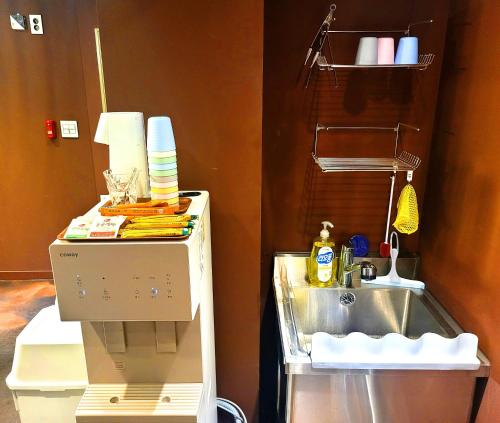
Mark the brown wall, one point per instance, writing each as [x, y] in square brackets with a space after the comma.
[201, 64]
[44, 183]
[459, 241]
[297, 196]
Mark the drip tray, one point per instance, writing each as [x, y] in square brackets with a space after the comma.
[138, 403]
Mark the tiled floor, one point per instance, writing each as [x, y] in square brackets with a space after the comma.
[20, 301]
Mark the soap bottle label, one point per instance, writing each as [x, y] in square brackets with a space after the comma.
[325, 263]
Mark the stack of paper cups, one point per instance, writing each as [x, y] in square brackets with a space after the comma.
[162, 160]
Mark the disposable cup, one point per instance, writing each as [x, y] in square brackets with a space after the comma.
[160, 134]
[172, 172]
[162, 179]
[171, 196]
[170, 190]
[162, 154]
[162, 166]
[162, 160]
[163, 184]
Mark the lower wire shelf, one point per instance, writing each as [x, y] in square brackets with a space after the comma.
[405, 162]
[402, 162]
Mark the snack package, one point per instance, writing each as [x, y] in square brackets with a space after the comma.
[105, 226]
[79, 228]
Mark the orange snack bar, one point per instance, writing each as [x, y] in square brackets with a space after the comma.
[147, 204]
[137, 211]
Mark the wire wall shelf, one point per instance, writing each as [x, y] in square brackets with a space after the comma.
[400, 162]
[424, 61]
[321, 52]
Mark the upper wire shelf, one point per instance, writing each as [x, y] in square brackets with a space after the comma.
[424, 60]
[321, 52]
[402, 162]
[406, 31]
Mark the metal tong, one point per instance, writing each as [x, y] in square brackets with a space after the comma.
[320, 37]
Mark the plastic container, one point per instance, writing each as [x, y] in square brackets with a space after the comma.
[407, 53]
[385, 51]
[367, 51]
[322, 268]
[49, 375]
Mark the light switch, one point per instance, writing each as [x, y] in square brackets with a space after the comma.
[69, 128]
[36, 24]
[18, 22]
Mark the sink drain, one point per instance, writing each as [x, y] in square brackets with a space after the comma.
[347, 299]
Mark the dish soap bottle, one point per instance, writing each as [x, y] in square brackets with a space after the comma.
[322, 263]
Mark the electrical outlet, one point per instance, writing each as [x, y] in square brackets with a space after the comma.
[69, 128]
[36, 24]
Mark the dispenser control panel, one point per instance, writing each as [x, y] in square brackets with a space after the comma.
[128, 281]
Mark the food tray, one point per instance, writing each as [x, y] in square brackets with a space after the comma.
[184, 203]
[156, 238]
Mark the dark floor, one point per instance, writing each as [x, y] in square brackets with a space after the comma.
[20, 301]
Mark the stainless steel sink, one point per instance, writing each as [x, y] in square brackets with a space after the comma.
[372, 311]
[365, 395]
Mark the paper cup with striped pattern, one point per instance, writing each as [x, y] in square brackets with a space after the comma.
[163, 176]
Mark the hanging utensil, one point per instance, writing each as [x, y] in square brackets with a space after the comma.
[385, 248]
[319, 38]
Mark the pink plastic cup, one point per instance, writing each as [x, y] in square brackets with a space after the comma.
[385, 51]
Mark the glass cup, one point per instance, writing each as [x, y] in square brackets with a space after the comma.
[122, 187]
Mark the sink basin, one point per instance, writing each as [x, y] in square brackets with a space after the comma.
[370, 334]
[372, 311]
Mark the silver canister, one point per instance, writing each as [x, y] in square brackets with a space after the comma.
[368, 271]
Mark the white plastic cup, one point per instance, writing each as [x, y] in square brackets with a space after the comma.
[367, 51]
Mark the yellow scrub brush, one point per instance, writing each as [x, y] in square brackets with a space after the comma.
[407, 218]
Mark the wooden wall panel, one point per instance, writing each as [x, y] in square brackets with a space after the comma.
[461, 228]
[44, 183]
[87, 22]
[201, 64]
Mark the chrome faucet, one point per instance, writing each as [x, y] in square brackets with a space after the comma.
[346, 267]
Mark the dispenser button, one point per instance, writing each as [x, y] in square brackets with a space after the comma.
[82, 293]
[154, 291]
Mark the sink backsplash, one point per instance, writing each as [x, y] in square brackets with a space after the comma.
[408, 267]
